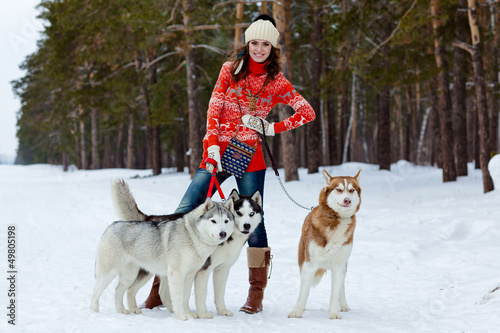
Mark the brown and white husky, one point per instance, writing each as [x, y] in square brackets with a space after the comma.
[326, 241]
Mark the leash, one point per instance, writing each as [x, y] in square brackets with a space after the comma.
[214, 180]
[263, 138]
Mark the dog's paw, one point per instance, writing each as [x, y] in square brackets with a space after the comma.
[136, 311]
[123, 311]
[344, 308]
[225, 312]
[295, 314]
[335, 316]
[182, 316]
[205, 315]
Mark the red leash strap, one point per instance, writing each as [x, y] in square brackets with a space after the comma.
[214, 180]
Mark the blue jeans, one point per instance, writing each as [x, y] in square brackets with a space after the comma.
[196, 194]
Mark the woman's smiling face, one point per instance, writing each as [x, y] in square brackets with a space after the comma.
[259, 49]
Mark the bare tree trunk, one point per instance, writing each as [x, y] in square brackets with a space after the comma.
[362, 121]
[288, 35]
[155, 143]
[399, 121]
[65, 161]
[384, 128]
[144, 107]
[288, 146]
[477, 158]
[460, 95]
[449, 170]
[195, 143]
[83, 142]
[344, 115]
[314, 128]
[347, 141]
[417, 123]
[240, 9]
[195, 147]
[477, 62]
[119, 149]
[77, 145]
[422, 134]
[180, 150]
[130, 142]
[263, 7]
[343, 98]
[95, 140]
[437, 156]
[471, 130]
[106, 158]
[331, 111]
[494, 134]
[408, 124]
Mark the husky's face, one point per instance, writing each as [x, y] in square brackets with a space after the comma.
[216, 224]
[343, 194]
[248, 211]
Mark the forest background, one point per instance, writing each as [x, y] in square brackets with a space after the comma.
[126, 84]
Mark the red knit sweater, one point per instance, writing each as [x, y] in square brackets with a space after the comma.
[224, 115]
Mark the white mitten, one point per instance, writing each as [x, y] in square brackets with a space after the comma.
[213, 153]
[255, 124]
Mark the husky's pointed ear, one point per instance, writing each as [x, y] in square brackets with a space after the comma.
[119, 182]
[229, 204]
[257, 198]
[234, 195]
[357, 177]
[326, 178]
[206, 206]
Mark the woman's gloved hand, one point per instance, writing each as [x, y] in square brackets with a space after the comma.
[213, 153]
[256, 124]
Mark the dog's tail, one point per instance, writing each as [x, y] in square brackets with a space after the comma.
[317, 276]
[124, 202]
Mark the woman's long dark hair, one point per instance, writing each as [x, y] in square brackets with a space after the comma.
[273, 65]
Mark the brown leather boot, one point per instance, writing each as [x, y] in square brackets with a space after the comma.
[258, 263]
[154, 299]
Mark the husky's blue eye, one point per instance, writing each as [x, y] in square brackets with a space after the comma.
[252, 214]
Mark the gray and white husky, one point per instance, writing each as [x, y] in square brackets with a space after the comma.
[247, 216]
[178, 249]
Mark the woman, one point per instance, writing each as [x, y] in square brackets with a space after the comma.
[246, 90]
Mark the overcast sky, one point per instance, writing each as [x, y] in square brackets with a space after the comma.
[19, 32]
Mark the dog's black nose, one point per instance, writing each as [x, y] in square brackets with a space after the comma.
[247, 226]
[222, 234]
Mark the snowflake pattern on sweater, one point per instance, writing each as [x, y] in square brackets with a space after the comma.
[223, 116]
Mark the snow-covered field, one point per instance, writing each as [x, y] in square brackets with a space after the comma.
[426, 255]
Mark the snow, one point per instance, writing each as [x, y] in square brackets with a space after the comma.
[425, 256]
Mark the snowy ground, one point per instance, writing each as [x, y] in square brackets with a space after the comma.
[425, 257]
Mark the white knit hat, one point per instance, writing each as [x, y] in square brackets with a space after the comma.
[262, 29]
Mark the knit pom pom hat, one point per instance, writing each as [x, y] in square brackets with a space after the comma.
[262, 29]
